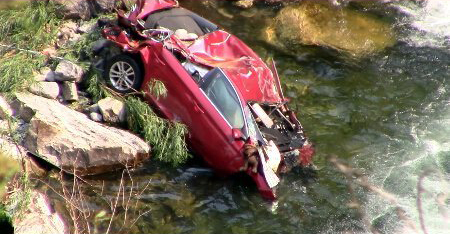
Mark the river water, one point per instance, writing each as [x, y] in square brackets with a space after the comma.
[386, 114]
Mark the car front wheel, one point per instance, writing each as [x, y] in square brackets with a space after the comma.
[123, 74]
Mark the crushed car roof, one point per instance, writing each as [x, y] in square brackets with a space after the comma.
[246, 70]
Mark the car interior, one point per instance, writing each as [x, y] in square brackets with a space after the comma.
[180, 18]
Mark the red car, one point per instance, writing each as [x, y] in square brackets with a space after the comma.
[230, 100]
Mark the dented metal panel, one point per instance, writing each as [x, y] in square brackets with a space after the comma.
[243, 66]
[269, 124]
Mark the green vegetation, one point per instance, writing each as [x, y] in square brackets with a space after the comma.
[157, 88]
[7, 171]
[16, 71]
[166, 138]
[31, 27]
[34, 27]
[81, 50]
[19, 197]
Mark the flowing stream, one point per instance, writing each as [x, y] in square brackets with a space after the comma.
[386, 114]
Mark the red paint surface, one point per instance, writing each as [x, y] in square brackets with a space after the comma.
[210, 135]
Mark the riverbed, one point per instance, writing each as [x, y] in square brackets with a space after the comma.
[385, 113]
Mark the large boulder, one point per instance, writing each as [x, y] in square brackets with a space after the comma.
[322, 24]
[72, 142]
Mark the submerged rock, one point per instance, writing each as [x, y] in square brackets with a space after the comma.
[320, 23]
[72, 142]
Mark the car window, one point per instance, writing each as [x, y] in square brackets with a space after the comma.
[222, 94]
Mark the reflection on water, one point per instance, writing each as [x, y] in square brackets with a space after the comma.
[387, 114]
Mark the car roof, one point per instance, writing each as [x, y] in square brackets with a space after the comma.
[242, 65]
[250, 75]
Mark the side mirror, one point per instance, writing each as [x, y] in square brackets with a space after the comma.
[237, 134]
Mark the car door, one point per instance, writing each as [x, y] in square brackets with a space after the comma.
[206, 109]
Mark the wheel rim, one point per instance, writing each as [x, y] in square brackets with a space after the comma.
[122, 76]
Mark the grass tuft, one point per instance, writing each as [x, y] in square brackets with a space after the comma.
[96, 87]
[30, 27]
[157, 88]
[16, 71]
[82, 49]
[166, 138]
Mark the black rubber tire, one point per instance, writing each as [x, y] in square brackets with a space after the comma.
[123, 74]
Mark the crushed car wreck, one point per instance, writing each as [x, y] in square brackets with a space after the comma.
[230, 100]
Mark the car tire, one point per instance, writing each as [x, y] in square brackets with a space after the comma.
[123, 74]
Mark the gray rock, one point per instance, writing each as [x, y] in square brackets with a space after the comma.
[113, 111]
[67, 71]
[75, 9]
[45, 74]
[84, 9]
[69, 91]
[40, 217]
[87, 27]
[72, 142]
[5, 109]
[94, 108]
[45, 89]
[8, 147]
[96, 117]
[106, 5]
[68, 33]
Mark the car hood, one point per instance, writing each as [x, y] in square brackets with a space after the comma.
[246, 70]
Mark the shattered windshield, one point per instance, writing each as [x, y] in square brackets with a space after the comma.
[222, 94]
